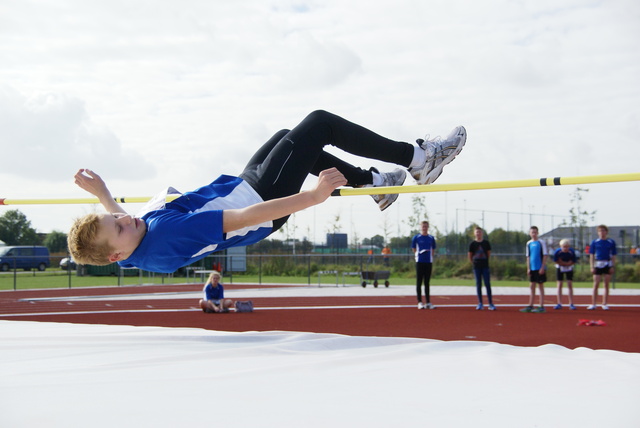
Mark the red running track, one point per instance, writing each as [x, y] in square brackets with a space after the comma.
[454, 319]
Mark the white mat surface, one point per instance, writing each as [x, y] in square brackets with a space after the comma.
[74, 375]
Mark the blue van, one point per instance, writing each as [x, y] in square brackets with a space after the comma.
[24, 257]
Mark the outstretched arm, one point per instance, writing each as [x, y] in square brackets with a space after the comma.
[328, 181]
[93, 183]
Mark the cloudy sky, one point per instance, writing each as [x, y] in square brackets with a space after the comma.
[157, 93]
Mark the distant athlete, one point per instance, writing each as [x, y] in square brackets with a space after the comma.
[238, 211]
[565, 258]
[536, 252]
[423, 246]
[602, 258]
[479, 254]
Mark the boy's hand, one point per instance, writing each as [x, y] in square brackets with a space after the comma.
[328, 180]
[92, 183]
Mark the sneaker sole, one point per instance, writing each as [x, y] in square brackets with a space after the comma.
[437, 171]
[389, 199]
[383, 205]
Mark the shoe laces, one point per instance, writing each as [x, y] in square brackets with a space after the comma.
[428, 144]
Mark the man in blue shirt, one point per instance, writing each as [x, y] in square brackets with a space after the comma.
[537, 254]
[602, 258]
[423, 246]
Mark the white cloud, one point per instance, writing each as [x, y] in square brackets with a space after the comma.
[545, 88]
[44, 134]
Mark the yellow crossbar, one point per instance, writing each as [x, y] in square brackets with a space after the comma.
[508, 184]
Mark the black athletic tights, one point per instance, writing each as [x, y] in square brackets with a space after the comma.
[423, 273]
[281, 165]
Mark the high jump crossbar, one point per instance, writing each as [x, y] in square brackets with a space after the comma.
[508, 184]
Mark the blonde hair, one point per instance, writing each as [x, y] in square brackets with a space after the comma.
[564, 242]
[214, 273]
[83, 242]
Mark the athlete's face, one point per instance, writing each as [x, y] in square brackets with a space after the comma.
[478, 234]
[602, 233]
[424, 229]
[565, 248]
[123, 233]
[533, 233]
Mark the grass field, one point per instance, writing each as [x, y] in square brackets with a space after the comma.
[61, 279]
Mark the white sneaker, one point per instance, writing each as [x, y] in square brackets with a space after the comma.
[421, 306]
[591, 307]
[393, 178]
[439, 153]
[605, 307]
[429, 306]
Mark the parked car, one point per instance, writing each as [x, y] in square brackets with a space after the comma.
[67, 263]
[24, 257]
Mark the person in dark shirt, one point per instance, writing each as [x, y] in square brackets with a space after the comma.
[565, 258]
[479, 253]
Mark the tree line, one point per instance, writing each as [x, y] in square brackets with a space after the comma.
[16, 229]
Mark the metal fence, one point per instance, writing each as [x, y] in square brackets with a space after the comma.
[301, 268]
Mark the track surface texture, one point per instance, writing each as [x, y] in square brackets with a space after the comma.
[389, 314]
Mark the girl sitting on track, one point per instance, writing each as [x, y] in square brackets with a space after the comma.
[213, 299]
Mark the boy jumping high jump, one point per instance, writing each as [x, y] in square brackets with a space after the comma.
[237, 211]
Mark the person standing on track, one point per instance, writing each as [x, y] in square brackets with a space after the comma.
[479, 253]
[537, 254]
[423, 246]
[602, 258]
[565, 258]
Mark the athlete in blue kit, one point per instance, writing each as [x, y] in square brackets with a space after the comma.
[565, 258]
[236, 211]
[213, 300]
[602, 258]
[537, 253]
[423, 246]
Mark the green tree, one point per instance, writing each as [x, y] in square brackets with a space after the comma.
[579, 218]
[507, 241]
[15, 229]
[267, 246]
[377, 240]
[419, 206]
[453, 242]
[56, 241]
[306, 246]
[401, 244]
